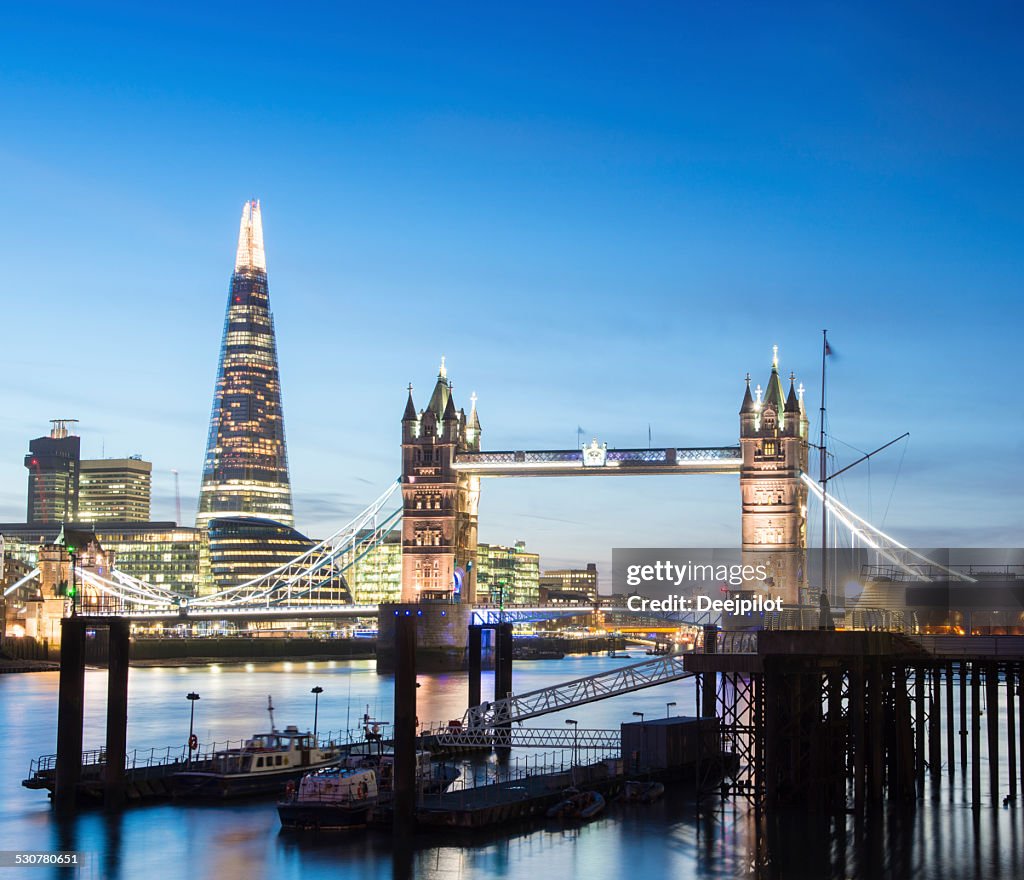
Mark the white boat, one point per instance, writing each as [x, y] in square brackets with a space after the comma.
[330, 799]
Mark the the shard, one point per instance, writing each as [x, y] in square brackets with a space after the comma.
[246, 468]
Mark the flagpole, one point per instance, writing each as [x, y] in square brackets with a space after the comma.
[824, 464]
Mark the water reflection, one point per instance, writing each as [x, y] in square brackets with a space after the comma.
[939, 837]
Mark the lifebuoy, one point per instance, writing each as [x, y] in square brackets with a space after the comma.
[193, 742]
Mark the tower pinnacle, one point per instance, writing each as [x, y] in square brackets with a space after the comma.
[250, 254]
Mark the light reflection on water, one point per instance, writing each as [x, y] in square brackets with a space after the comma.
[942, 837]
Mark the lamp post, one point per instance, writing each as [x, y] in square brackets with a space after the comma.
[316, 709]
[668, 707]
[640, 715]
[192, 696]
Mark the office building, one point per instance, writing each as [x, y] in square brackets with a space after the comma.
[114, 490]
[53, 473]
[507, 575]
[561, 586]
[245, 472]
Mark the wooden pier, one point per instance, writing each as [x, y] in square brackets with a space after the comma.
[835, 721]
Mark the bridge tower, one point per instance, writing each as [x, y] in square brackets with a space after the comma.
[439, 521]
[773, 437]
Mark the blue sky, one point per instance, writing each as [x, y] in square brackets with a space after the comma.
[603, 215]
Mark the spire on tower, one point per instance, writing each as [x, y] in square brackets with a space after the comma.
[443, 372]
[250, 254]
[748, 400]
[410, 408]
[792, 403]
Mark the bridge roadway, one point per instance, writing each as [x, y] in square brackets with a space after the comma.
[487, 615]
[600, 461]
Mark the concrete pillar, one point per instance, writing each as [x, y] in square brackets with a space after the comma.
[475, 649]
[70, 711]
[117, 713]
[405, 724]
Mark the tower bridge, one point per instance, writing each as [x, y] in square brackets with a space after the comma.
[435, 503]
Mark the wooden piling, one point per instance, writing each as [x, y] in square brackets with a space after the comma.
[475, 664]
[992, 705]
[405, 725]
[950, 740]
[919, 729]
[1011, 734]
[963, 718]
[976, 735]
[934, 717]
[70, 712]
[117, 714]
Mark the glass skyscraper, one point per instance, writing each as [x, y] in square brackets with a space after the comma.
[246, 468]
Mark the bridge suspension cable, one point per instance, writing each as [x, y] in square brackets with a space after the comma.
[887, 546]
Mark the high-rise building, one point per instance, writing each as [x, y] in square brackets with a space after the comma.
[246, 547]
[53, 467]
[114, 490]
[571, 584]
[246, 468]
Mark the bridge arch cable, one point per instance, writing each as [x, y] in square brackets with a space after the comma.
[302, 569]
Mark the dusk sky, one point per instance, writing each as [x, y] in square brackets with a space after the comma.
[603, 215]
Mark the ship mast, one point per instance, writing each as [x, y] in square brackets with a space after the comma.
[822, 470]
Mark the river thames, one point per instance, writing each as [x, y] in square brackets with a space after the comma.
[941, 837]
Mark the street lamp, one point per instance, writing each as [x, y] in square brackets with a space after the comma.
[668, 706]
[640, 715]
[191, 697]
[316, 709]
[575, 742]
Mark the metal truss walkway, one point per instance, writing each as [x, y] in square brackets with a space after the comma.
[528, 738]
[622, 680]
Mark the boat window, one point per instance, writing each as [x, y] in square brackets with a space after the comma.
[279, 759]
[259, 762]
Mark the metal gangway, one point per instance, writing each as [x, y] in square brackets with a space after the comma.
[611, 683]
[592, 739]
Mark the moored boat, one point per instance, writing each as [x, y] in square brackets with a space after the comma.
[334, 798]
[261, 765]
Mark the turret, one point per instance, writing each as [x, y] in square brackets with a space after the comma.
[410, 421]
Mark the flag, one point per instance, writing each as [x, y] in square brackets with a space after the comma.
[828, 348]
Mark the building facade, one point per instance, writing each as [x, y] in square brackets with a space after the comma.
[773, 439]
[244, 547]
[507, 575]
[245, 472]
[160, 553]
[377, 577]
[578, 584]
[114, 490]
[53, 473]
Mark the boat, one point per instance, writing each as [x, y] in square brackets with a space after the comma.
[334, 798]
[620, 655]
[528, 653]
[261, 765]
[641, 792]
[577, 805]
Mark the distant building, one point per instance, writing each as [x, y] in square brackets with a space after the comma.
[377, 577]
[245, 547]
[245, 472]
[53, 472]
[114, 490]
[159, 553]
[566, 585]
[507, 575]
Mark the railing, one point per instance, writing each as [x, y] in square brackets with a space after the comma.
[526, 737]
[622, 680]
